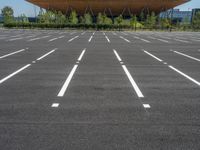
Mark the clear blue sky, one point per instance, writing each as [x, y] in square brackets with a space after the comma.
[21, 6]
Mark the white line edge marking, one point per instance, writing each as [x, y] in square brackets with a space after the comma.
[118, 57]
[47, 54]
[55, 105]
[53, 39]
[73, 38]
[125, 39]
[90, 39]
[14, 73]
[153, 56]
[137, 90]
[65, 85]
[186, 55]
[107, 39]
[186, 76]
[81, 56]
[182, 41]
[165, 41]
[146, 106]
[145, 40]
[12, 53]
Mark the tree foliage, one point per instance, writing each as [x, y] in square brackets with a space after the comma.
[73, 19]
[8, 14]
[196, 21]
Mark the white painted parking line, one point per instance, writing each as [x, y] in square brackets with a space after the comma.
[153, 56]
[186, 76]
[133, 83]
[165, 41]
[10, 40]
[14, 73]
[183, 41]
[125, 39]
[38, 38]
[145, 40]
[83, 33]
[73, 38]
[118, 57]
[66, 84]
[90, 39]
[81, 56]
[107, 39]
[55, 105]
[69, 78]
[4, 56]
[53, 39]
[186, 55]
[146, 106]
[47, 54]
[60, 37]
[135, 86]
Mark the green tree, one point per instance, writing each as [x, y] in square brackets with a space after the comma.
[150, 21]
[165, 23]
[196, 21]
[133, 21]
[23, 18]
[60, 18]
[88, 18]
[73, 19]
[8, 14]
[100, 19]
[47, 17]
[142, 17]
[119, 20]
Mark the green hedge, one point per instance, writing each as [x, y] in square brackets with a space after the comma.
[80, 26]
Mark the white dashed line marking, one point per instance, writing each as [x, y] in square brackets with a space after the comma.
[73, 38]
[53, 39]
[69, 78]
[133, 83]
[12, 53]
[15, 39]
[55, 105]
[186, 76]
[125, 39]
[183, 41]
[165, 41]
[66, 84]
[153, 56]
[81, 56]
[118, 57]
[186, 55]
[107, 39]
[146, 106]
[47, 54]
[14, 73]
[90, 39]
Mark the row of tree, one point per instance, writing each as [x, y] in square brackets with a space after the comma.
[150, 21]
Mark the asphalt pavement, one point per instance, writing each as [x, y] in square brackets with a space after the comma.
[99, 90]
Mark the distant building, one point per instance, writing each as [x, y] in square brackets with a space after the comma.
[1, 18]
[177, 15]
[182, 16]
